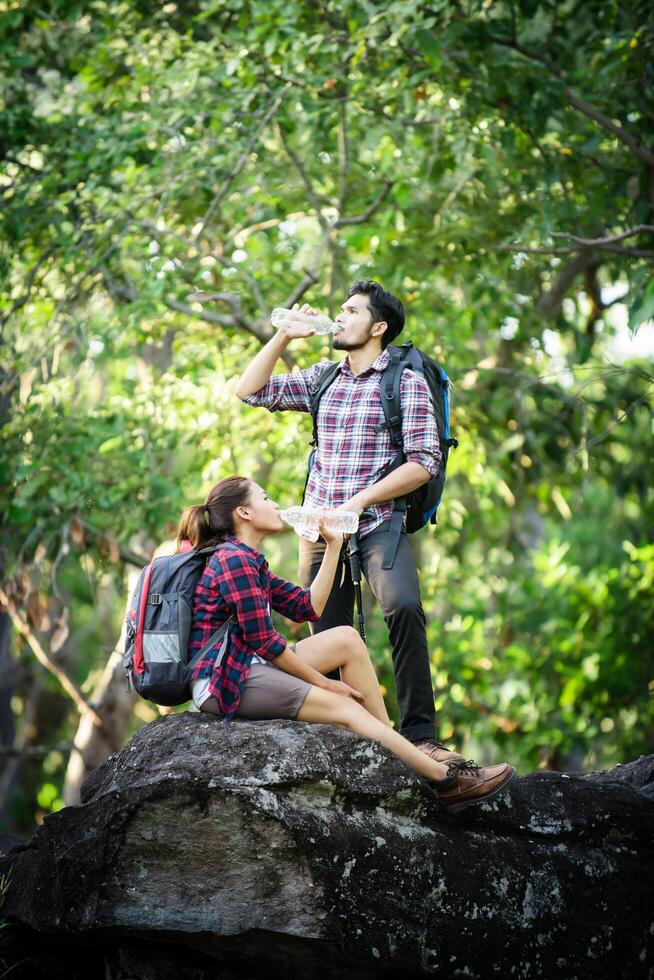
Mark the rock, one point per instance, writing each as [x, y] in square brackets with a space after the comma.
[206, 850]
[8, 843]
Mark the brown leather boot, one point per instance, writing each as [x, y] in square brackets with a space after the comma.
[471, 784]
[437, 751]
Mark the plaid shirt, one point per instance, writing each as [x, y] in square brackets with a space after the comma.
[237, 582]
[353, 449]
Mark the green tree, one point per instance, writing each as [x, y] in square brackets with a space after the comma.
[171, 173]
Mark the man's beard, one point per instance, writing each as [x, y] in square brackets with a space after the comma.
[339, 343]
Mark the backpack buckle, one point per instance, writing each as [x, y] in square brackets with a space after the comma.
[155, 599]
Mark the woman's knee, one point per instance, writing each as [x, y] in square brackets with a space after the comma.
[348, 643]
[352, 642]
[344, 635]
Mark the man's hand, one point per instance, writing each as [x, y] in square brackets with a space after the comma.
[340, 687]
[356, 504]
[292, 329]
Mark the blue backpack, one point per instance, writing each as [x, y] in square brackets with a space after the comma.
[421, 505]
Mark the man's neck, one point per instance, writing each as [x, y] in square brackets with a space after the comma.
[360, 360]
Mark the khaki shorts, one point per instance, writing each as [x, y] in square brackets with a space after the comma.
[269, 692]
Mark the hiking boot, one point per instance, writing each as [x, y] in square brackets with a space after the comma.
[437, 751]
[467, 783]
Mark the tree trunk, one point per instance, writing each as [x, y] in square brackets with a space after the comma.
[115, 705]
[7, 729]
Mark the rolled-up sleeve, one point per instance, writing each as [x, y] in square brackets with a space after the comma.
[286, 392]
[419, 430]
[292, 601]
[240, 586]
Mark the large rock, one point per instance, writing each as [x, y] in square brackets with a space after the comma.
[207, 850]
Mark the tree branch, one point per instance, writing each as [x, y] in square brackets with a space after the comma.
[451, 197]
[620, 419]
[311, 274]
[634, 253]
[309, 280]
[224, 319]
[220, 259]
[239, 322]
[128, 556]
[306, 180]
[22, 300]
[240, 165]
[370, 210]
[53, 668]
[549, 303]
[606, 240]
[343, 156]
[618, 130]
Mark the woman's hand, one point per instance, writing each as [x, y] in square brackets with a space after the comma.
[330, 537]
[322, 583]
[340, 687]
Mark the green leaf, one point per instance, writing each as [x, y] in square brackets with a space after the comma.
[642, 309]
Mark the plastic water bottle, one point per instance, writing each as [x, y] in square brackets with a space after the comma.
[304, 521]
[322, 324]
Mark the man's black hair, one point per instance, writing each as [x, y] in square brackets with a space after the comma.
[383, 306]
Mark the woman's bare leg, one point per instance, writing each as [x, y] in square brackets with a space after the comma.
[334, 709]
[342, 647]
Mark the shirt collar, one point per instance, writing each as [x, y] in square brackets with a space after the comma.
[379, 364]
[258, 557]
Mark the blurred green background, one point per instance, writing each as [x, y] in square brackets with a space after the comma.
[170, 173]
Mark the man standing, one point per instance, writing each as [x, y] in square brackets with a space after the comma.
[353, 451]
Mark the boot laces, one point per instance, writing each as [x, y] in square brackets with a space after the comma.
[435, 743]
[467, 768]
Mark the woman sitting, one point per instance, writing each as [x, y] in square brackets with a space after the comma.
[258, 675]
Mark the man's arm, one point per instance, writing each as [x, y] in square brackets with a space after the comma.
[260, 369]
[407, 477]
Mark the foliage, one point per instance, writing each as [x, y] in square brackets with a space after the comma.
[173, 172]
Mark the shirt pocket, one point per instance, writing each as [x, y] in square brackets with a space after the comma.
[373, 433]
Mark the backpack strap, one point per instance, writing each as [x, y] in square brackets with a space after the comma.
[392, 408]
[222, 633]
[390, 396]
[394, 532]
[327, 377]
[138, 661]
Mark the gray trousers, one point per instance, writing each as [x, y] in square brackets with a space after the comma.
[398, 594]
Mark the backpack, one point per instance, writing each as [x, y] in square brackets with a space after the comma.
[420, 505]
[159, 626]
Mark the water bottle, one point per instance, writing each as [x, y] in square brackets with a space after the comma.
[304, 521]
[322, 324]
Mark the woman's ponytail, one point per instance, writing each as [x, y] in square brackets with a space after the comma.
[210, 523]
[192, 526]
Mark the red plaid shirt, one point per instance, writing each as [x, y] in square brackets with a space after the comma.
[237, 582]
[353, 450]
